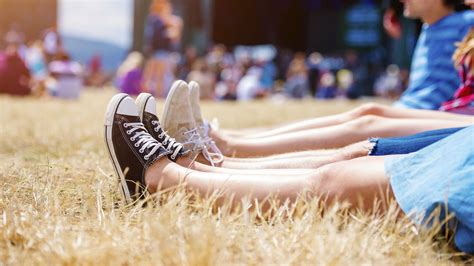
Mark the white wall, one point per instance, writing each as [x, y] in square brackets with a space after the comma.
[103, 20]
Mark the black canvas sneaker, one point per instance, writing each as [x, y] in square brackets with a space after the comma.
[132, 150]
[147, 111]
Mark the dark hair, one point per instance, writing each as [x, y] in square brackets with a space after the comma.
[452, 3]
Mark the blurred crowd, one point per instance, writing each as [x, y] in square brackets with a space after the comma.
[245, 73]
[255, 72]
[43, 67]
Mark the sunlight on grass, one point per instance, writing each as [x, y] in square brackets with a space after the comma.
[60, 203]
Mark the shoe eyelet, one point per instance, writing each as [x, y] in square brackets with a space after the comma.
[156, 129]
[136, 145]
[132, 139]
[146, 157]
[128, 132]
[153, 122]
[140, 151]
[165, 143]
[173, 157]
[125, 125]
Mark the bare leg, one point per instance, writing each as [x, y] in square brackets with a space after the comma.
[304, 160]
[148, 76]
[366, 109]
[358, 182]
[331, 137]
[160, 72]
[247, 168]
[295, 160]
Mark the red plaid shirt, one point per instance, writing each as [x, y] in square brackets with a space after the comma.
[464, 96]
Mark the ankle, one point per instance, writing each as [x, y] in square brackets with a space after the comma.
[158, 175]
[356, 150]
[224, 143]
[186, 161]
[200, 159]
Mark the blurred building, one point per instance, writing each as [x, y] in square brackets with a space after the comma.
[312, 25]
[30, 17]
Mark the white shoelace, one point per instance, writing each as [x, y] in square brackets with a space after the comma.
[171, 143]
[211, 144]
[201, 143]
[144, 139]
[193, 138]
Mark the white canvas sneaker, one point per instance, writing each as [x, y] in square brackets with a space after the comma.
[178, 120]
[211, 152]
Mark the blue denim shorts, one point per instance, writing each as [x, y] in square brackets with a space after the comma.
[409, 144]
[439, 176]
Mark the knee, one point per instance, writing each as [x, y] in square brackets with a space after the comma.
[368, 109]
[325, 183]
[364, 122]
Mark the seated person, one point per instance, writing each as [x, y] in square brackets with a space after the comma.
[358, 124]
[65, 77]
[433, 78]
[463, 102]
[14, 75]
[129, 75]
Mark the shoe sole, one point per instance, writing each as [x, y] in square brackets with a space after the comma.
[141, 102]
[164, 117]
[109, 120]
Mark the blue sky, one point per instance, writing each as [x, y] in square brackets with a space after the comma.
[103, 20]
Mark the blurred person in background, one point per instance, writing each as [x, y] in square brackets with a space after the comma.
[16, 37]
[186, 64]
[345, 80]
[217, 57]
[15, 76]
[313, 63]
[269, 72]
[130, 73]
[327, 88]
[35, 61]
[249, 86]
[389, 84]
[95, 76]
[66, 77]
[226, 88]
[52, 43]
[204, 77]
[352, 62]
[297, 83]
[163, 35]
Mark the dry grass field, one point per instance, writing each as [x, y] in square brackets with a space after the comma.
[60, 203]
